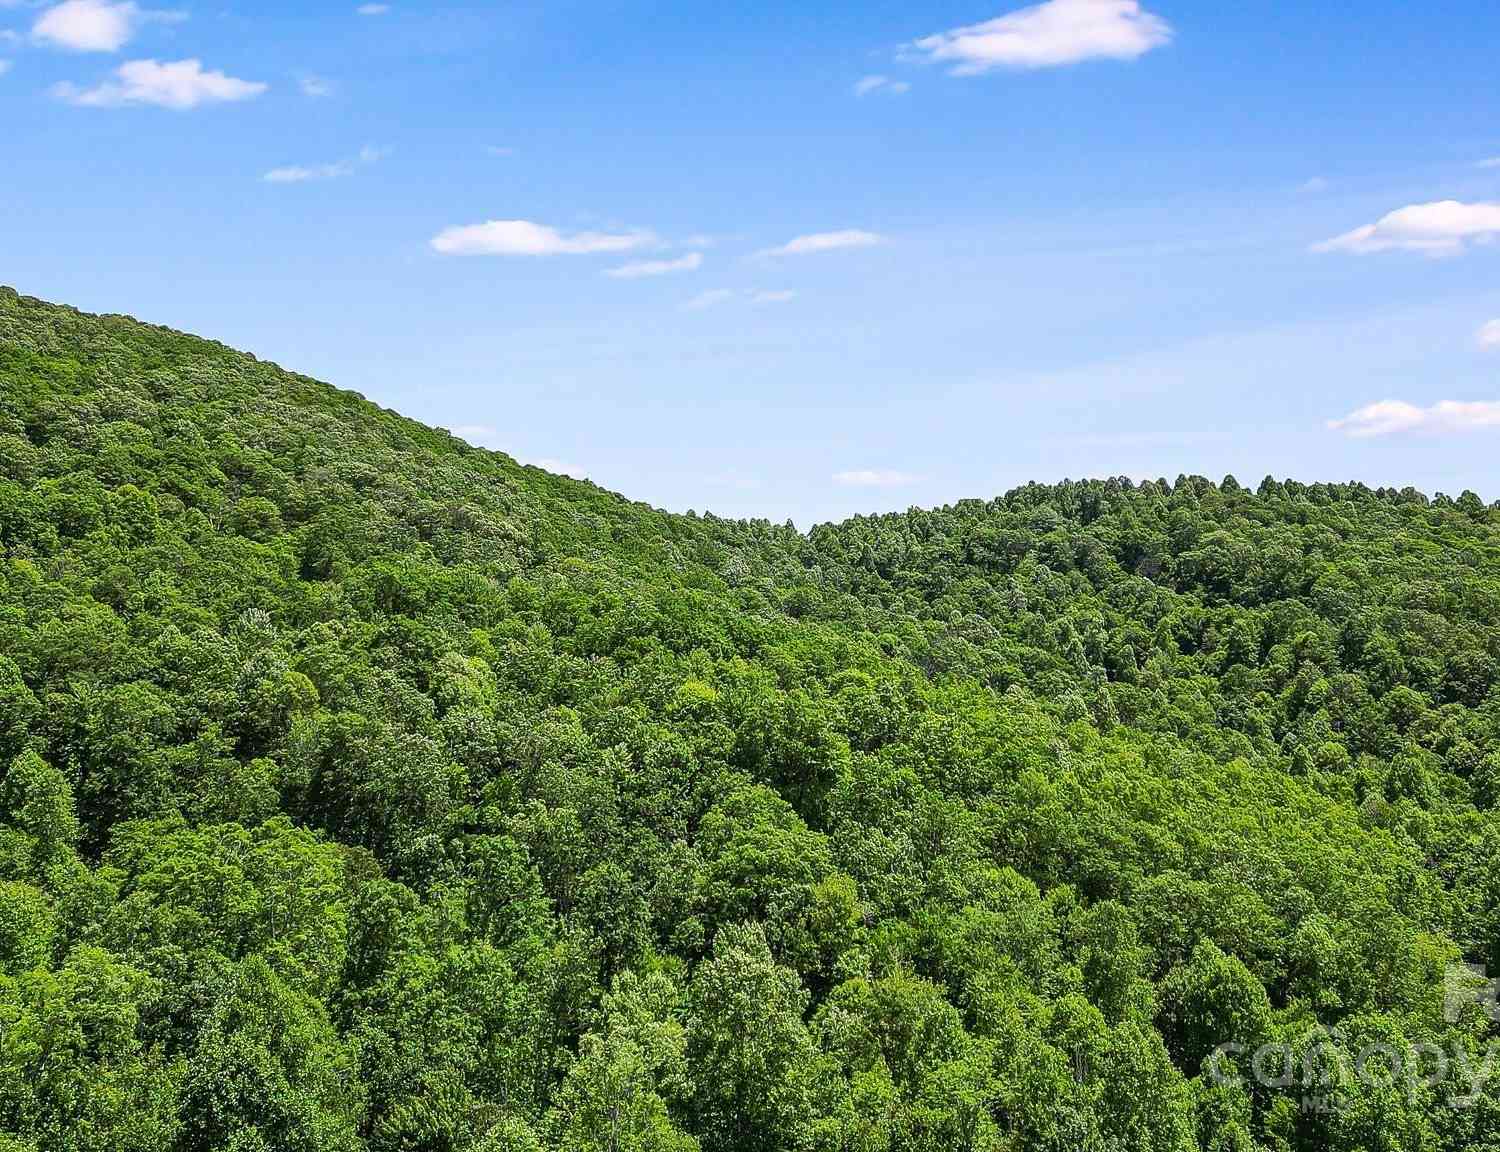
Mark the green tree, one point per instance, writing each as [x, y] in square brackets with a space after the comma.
[752, 1057]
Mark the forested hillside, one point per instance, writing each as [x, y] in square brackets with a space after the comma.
[366, 790]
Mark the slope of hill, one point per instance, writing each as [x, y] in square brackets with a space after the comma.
[363, 789]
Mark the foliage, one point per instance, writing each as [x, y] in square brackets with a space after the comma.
[361, 789]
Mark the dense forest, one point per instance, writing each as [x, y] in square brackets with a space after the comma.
[362, 789]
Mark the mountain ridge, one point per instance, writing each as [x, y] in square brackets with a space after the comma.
[1406, 492]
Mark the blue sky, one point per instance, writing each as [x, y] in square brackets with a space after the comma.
[802, 260]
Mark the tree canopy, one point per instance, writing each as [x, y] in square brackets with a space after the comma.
[362, 789]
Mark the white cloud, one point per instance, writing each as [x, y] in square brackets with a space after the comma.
[1390, 417]
[714, 297]
[1491, 162]
[4, 67]
[498, 150]
[179, 84]
[1441, 228]
[552, 464]
[480, 435]
[487, 436]
[826, 242]
[1489, 335]
[302, 174]
[314, 87]
[1049, 35]
[740, 481]
[875, 478]
[526, 238]
[87, 25]
[1314, 185]
[689, 263]
[881, 84]
[710, 299]
[373, 9]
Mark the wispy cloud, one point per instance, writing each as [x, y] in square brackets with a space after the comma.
[554, 465]
[1488, 335]
[716, 296]
[875, 478]
[870, 84]
[826, 242]
[180, 84]
[1314, 185]
[527, 238]
[1393, 417]
[1491, 162]
[646, 268]
[373, 9]
[499, 150]
[488, 436]
[739, 481]
[314, 87]
[302, 174]
[1049, 35]
[710, 299]
[4, 67]
[1441, 228]
[479, 435]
